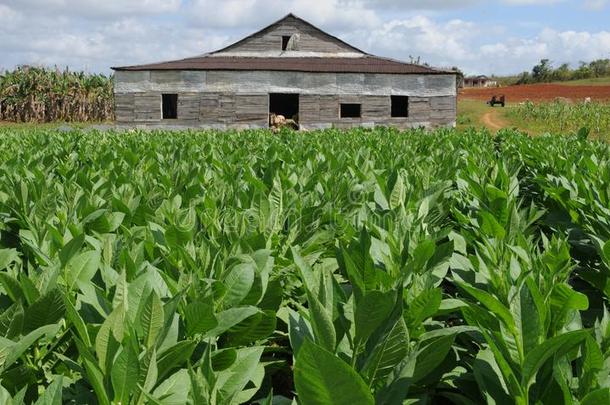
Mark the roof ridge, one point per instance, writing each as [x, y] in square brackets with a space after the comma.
[422, 65]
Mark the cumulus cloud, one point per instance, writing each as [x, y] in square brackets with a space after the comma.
[339, 14]
[596, 4]
[453, 4]
[95, 35]
[440, 43]
[96, 8]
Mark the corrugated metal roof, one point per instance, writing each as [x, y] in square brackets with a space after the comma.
[365, 64]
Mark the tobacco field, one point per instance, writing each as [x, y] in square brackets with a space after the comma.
[359, 267]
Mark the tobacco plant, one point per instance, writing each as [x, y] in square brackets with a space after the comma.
[330, 267]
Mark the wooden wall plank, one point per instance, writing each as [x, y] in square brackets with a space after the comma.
[251, 110]
[124, 104]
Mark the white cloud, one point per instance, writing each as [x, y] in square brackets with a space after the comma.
[596, 4]
[560, 47]
[9, 18]
[256, 13]
[453, 4]
[420, 36]
[96, 35]
[531, 2]
[96, 8]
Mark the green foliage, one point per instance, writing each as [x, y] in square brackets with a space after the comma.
[359, 267]
[544, 72]
[558, 117]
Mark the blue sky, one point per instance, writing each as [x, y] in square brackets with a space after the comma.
[501, 36]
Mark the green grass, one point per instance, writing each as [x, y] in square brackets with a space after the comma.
[471, 112]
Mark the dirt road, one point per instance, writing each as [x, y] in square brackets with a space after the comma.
[492, 121]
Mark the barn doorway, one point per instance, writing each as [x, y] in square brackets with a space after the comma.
[283, 106]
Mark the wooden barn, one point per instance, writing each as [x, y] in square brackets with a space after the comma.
[289, 68]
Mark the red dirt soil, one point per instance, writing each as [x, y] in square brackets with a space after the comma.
[539, 92]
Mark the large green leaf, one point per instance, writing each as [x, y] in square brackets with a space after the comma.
[152, 320]
[432, 355]
[238, 283]
[199, 317]
[491, 303]
[53, 394]
[174, 390]
[93, 372]
[48, 309]
[12, 288]
[397, 196]
[8, 256]
[227, 319]
[597, 397]
[421, 308]
[10, 352]
[71, 248]
[555, 346]
[372, 310]
[489, 379]
[322, 378]
[174, 357]
[388, 352]
[298, 331]
[124, 374]
[82, 268]
[321, 323]
[259, 326]
[79, 324]
[109, 335]
[527, 320]
[148, 373]
[246, 369]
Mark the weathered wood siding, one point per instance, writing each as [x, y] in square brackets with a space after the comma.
[221, 99]
[124, 104]
[147, 107]
[311, 40]
[323, 112]
[220, 110]
[253, 82]
[233, 110]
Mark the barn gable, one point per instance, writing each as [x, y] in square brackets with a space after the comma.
[289, 35]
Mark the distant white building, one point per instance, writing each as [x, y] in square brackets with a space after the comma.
[479, 81]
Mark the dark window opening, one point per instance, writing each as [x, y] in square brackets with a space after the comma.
[351, 110]
[170, 106]
[400, 106]
[286, 105]
[285, 41]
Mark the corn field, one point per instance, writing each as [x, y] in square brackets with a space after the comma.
[33, 94]
[561, 117]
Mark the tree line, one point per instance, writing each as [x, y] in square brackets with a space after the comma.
[545, 72]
